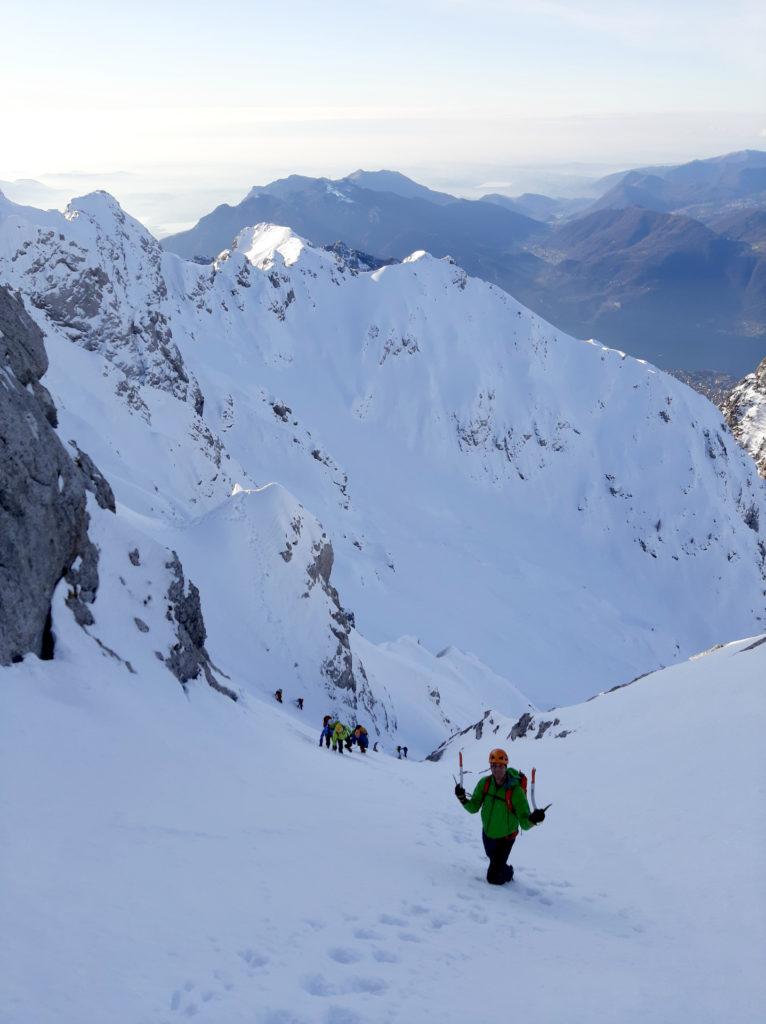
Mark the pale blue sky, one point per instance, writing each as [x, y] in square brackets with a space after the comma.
[243, 90]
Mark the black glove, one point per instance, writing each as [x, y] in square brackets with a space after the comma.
[537, 816]
[460, 794]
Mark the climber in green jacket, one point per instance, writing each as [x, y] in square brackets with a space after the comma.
[504, 810]
[340, 735]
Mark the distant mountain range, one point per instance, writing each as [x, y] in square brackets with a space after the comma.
[718, 182]
[385, 223]
[682, 291]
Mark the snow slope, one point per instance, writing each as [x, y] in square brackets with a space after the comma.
[175, 856]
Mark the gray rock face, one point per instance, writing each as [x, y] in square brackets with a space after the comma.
[188, 657]
[477, 728]
[522, 727]
[43, 519]
[339, 667]
[94, 479]
[745, 412]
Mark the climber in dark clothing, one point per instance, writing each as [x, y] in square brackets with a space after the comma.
[326, 733]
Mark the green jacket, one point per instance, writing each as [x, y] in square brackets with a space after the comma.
[496, 818]
[341, 731]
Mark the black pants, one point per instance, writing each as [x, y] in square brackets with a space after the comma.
[498, 851]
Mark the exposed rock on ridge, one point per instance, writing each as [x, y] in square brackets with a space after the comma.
[745, 412]
[188, 657]
[43, 519]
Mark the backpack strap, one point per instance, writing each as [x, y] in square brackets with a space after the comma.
[514, 782]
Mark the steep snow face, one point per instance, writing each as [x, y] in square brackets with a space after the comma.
[571, 516]
[745, 412]
[271, 559]
[205, 859]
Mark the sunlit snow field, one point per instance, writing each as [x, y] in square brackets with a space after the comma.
[175, 857]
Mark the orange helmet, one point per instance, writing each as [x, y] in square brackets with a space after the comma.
[498, 756]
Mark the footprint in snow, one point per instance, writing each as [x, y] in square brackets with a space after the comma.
[180, 1001]
[372, 986]
[415, 908]
[365, 933]
[390, 919]
[385, 956]
[341, 1015]
[253, 959]
[439, 921]
[285, 1017]
[344, 956]
[319, 985]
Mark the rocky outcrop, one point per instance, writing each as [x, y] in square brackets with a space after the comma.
[477, 728]
[97, 275]
[43, 518]
[188, 658]
[745, 412]
[339, 667]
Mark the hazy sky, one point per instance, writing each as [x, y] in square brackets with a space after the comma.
[234, 93]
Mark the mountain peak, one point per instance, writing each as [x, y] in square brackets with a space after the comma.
[96, 204]
[259, 243]
[103, 212]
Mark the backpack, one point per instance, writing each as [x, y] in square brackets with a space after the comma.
[521, 781]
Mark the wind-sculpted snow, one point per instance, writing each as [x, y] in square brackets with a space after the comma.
[571, 516]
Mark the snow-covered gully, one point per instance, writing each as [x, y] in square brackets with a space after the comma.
[177, 857]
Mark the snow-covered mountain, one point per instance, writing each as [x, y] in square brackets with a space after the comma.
[165, 858]
[571, 516]
[659, 285]
[745, 412]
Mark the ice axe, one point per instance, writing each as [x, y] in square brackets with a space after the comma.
[532, 793]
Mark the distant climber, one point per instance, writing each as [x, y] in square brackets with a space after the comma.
[360, 737]
[278, 695]
[340, 735]
[298, 702]
[399, 753]
[326, 733]
[504, 810]
[404, 751]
